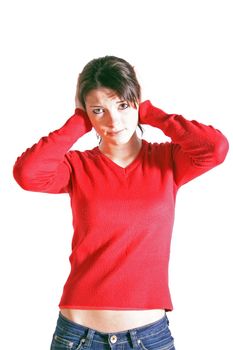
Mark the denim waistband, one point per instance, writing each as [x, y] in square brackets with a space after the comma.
[90, 334]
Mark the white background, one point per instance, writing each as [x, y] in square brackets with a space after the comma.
[182, 51]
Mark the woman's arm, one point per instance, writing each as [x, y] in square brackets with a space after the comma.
[44, 167]
[196, 148]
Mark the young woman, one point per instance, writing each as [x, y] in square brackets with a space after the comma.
[123, 198]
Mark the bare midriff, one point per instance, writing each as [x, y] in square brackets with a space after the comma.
[113, 320]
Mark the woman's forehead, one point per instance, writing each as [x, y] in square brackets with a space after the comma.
[102, 95]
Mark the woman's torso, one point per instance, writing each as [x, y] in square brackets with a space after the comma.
[113, 320]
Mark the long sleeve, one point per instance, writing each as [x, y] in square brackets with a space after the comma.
[196, 148]
[44, 167]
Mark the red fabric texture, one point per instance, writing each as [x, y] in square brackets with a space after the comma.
[122, 217]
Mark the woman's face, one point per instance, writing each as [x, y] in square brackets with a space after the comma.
[114, 119]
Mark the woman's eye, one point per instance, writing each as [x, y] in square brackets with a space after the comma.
[97, 111]
[124, 105]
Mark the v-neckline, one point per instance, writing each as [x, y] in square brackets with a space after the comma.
[122, 169]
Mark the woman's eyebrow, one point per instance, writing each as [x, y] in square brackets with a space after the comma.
[96, 106]
[103, 107]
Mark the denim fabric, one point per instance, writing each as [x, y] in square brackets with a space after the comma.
[72, 336]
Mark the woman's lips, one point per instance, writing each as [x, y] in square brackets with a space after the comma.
[115, 133]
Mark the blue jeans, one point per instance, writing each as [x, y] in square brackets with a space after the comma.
[73, 336]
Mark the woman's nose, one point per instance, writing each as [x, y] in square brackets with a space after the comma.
[113, 118]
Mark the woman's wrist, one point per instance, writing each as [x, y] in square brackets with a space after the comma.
[83, 115]
[148, 114]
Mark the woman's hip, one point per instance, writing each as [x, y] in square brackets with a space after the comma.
[73, 336]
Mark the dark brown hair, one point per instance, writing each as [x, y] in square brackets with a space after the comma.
[110, 72]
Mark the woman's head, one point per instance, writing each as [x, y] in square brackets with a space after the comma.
[112, 73]
[109, 92]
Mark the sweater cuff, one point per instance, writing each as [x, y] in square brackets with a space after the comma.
[148, 114]
[84, 117]
[79, 111]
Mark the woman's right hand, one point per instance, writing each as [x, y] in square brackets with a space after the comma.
[78, 103]
[84, 115]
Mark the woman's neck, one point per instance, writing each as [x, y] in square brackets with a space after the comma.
[122, 153]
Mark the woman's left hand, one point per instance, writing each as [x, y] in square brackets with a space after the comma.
[142, 113]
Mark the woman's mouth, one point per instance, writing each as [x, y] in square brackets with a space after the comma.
[115, 133]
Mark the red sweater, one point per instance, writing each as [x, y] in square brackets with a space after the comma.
[122, 217]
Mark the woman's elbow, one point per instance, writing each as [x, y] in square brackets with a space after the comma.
[25, 178]
[221, 150]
